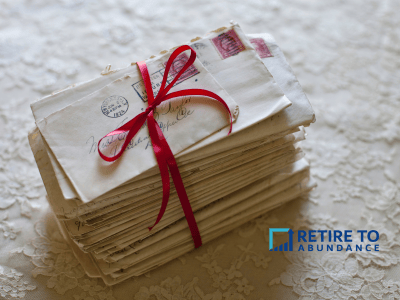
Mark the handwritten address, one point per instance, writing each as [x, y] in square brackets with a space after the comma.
[176, 111]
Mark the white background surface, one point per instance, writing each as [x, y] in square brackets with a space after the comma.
[346, 55]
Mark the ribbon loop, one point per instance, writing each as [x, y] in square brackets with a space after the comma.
[164, 90]
[165, 158]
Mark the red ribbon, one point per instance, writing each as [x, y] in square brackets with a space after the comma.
[162, 151]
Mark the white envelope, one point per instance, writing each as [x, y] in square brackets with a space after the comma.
[264, 200]
[73, 132]
[243, 75]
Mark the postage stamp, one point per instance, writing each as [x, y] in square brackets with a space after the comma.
[228, 44]
[261, 47]
[114, 106]
[156, 77]
[178, 64]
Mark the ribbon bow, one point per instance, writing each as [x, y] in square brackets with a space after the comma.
[162, 151]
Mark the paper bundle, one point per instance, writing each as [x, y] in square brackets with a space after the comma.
[105, 209]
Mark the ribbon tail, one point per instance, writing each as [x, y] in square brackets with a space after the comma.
[187, 209]
[180, 189]
[162, 165]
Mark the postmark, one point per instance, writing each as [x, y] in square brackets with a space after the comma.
[261, 47]
[114, 106]
[228, 44]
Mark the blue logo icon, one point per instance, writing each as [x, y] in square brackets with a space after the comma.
[288, 246]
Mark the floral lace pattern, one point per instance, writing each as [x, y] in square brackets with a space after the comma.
[53, 257]
[12, 285]
[346, 56]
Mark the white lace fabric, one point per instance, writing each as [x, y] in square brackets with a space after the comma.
[346, 56]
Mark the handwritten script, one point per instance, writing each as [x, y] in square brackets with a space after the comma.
[167, 115]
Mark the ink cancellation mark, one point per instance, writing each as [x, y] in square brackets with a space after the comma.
[114, 106]
[228, 44]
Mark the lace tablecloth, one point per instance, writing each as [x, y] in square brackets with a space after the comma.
[347, 57]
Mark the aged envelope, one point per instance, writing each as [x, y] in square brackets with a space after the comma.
[131, 237]
[73, 208]
[269, 201]
[209, 220]
[134, 232]
[198, 182]
[258, 200]
[299, 113]
[275, 179]
[73, 132]
[102, 217]
[255, 205]
[232, 60]
[201, 194]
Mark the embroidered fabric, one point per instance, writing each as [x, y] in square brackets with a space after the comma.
[345, 54]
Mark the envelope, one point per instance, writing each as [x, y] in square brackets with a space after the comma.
[296, 172]
[300, 113]
[243, 75]
[258, 204]
[115, 228]
[201, 194]
[260, 199]
[269, 202]
[110, 239]
[122, 208]
[208, 220]
[74, 132]
[70, 209]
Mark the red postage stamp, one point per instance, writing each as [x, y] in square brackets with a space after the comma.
[261, 47]
[228, 44]
[178, 64]
[157, 77]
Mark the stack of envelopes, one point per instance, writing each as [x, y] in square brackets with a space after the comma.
[105, 209]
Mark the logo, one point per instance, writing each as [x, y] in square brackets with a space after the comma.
[288, 246]
[326, 240]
